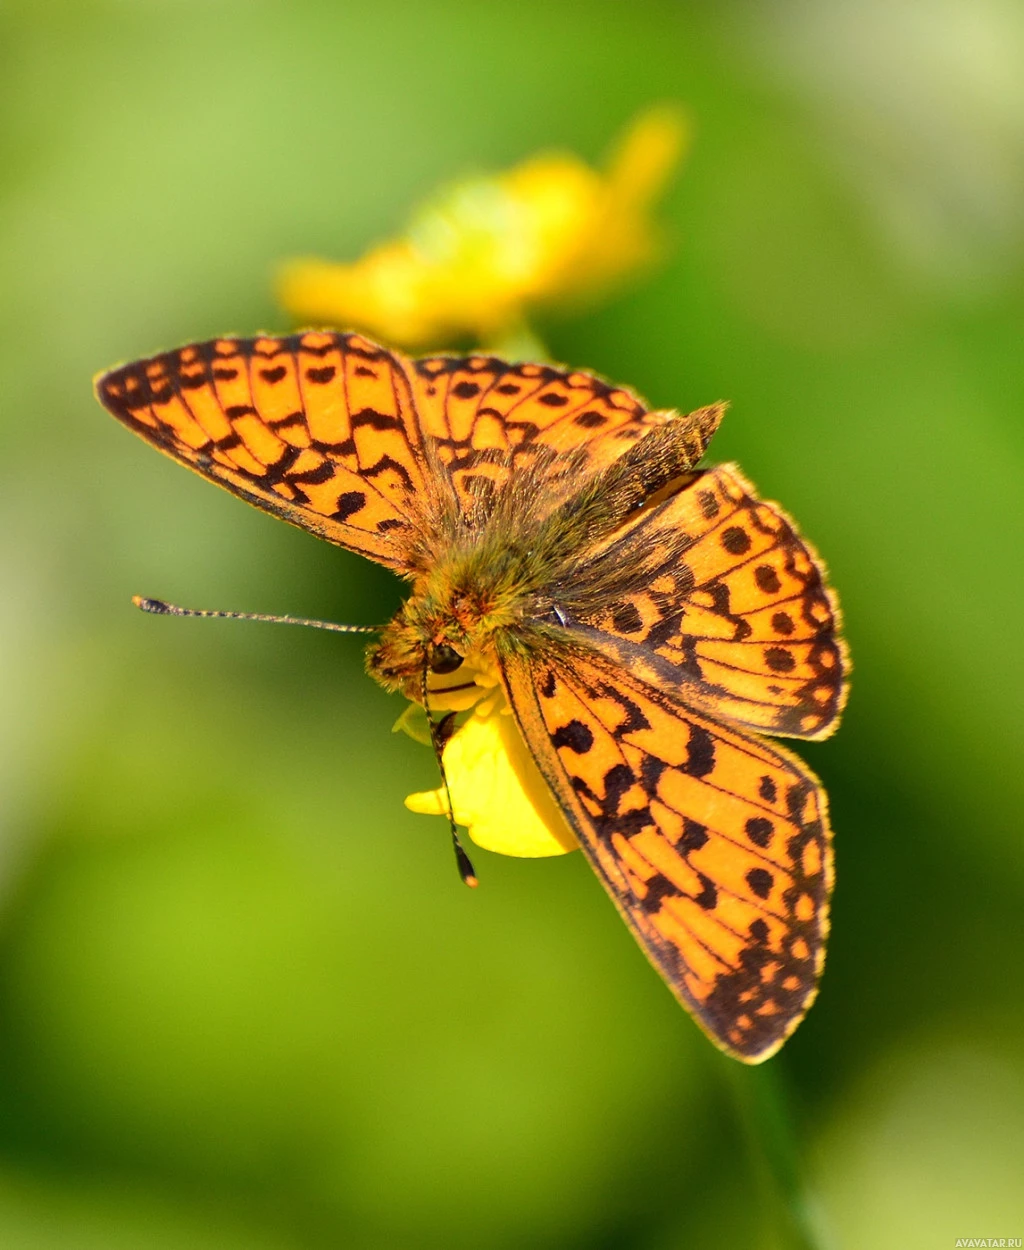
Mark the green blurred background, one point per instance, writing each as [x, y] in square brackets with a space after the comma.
[244, 1001]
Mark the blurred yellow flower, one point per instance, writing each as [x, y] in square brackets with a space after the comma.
[473, 261]
[497, 790]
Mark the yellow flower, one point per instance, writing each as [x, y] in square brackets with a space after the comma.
[497, 790]
[473, 261]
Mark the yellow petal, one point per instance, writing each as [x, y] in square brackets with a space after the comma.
[479, 255]
[497, 790]
[427, 803]
[620, 235]
[413, 722]
[648, 152]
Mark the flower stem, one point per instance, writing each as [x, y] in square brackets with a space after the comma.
[763, 1107]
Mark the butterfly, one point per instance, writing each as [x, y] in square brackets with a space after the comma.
[650, 620]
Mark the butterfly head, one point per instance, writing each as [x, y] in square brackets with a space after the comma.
[447, 630]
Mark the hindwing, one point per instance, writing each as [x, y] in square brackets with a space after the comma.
[714, 846]
[727, 604]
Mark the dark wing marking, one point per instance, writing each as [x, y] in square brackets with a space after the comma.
[714, 846]
[317, 428]
[723, 600]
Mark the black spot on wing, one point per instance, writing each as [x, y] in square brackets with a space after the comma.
[694, 836]
[321, 376]
[349, 504]
[658, 888]
[736, 540]
[700, 752]
[617, 781]
[708, 503]
[650, 771]
[767, 579]
[759, 830]
[375, 420]
[575, 736]
[779, 660]
[609, 819]
[708, 896]
[760, 881]
[315, 477]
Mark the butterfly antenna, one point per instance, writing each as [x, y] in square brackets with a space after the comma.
[157, 607]
[439, 734]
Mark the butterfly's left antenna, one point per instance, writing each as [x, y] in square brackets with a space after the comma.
[437, 739]
[157, 607]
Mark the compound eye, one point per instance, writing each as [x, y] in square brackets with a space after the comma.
[444, 659]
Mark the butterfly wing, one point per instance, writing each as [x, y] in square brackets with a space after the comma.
[365, 447]
[488, 421]
[714, 846]
[728, 605]
[317, 428]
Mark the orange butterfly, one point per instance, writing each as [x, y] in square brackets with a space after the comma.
[649, 619]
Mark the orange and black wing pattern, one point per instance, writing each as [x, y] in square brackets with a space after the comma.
[730, 607]
[368, 448]
[317, 428]
[486, 420]
[714, 846]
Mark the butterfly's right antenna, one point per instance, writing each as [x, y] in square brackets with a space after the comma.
[438, 737]
[157, 607]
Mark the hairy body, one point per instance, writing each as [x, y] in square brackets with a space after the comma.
[512, 572]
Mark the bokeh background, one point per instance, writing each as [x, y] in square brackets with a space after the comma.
[244, 1001]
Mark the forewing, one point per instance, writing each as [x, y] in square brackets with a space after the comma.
[728, 604]
[317, 428]
[486, 420]
[714, 846]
